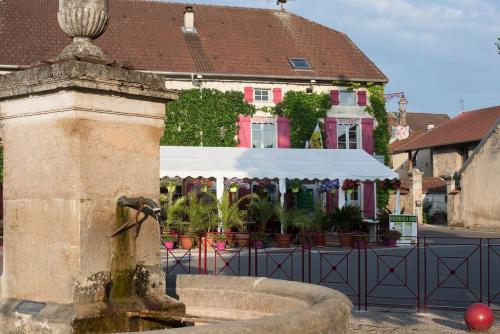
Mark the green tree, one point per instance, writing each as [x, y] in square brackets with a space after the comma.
[303, 110]
[381, 136]
[208, 116]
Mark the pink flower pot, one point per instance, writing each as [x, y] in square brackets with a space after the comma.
[168, 244]
[221, 245]
[259, 244]
[390, 243]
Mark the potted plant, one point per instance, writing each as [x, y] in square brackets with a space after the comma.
[329, 186]
[390, 237]
[361, 240]
[168, 241]
[172, 208]
[220, 242]
[233, 184]
[345, 220]
[302, 220]
[242, 237]
[286, 220]
[203, 184]
[262, 210]
[259, 239]
[202, 214]
[319, 225]
[349, 185]
[295, 185]
[230, 215]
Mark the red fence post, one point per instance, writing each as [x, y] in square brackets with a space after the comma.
[418, 274]
[359, 277]
[199, 255]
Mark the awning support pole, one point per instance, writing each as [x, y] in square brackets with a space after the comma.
[398, 202]
[341, 194]
[219, 184]
[282, 185]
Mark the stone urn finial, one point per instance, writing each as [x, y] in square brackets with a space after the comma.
[83, 20]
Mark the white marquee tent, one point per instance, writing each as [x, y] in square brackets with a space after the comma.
[281, 164]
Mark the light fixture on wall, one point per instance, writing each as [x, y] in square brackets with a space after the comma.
[310, 89]
[196, 81]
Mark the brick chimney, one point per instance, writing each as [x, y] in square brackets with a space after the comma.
[189, 27]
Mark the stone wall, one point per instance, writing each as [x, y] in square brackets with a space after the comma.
[479, 198]
[446, 161]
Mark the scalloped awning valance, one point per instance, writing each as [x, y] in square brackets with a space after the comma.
[252, 163]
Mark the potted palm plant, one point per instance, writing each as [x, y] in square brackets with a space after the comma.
[172, 210]
[201, 213]
[230, 215]
[302, 221]
[345, 220]
[286, 220]
[262, 209]
[391, 237]
[319, 225]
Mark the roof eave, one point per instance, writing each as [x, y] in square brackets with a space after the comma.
[265, 77]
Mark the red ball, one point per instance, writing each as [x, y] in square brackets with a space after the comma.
[479, 317]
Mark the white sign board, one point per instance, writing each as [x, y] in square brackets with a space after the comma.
[407, 226]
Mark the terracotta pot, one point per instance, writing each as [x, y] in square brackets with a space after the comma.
[283, 240]
[231, 237]
[168, 244]
[243, 239]
[319, 239]
[346, 239]
[186, 242]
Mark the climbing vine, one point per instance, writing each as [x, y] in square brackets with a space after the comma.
[381, 134]
[207, 117]
[303, 110]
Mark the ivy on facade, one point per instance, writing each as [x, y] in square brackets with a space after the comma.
[205, 117]
[303, 110]
[381, 136]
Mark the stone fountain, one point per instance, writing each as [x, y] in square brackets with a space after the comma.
[81, 159]
[79, 133]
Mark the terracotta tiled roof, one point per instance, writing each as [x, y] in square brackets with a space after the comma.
[430, 185]
[230, 40]
[418, 125]
[467, 127]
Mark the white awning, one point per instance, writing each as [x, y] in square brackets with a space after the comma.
[253, 163]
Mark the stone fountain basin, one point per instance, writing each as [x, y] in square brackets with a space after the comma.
[259, 305]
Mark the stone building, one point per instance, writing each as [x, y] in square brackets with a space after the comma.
[418, 125]
[261, 53]
[474, 196]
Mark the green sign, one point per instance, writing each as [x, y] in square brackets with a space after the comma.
[407, 226]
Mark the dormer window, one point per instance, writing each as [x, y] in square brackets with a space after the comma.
[299, 63]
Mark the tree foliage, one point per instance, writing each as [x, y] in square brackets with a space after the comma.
[303, 110]
[203, 116]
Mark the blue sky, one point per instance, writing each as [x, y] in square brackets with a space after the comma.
[436, 51]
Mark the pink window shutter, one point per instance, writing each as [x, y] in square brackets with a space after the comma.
[362, 98]
[283, 132]
[367, 135]
[369, 200]
[331, 132]
[334, 97]
[244, 132]
[277, 95]
[248, 94]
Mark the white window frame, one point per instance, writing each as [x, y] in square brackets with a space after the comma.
[359, 202]
[269, 95]
[358, 135]
[275, 139]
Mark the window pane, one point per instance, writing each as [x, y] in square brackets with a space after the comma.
[347, 98]
[261, 95]
[353, 137]
[341, 137]
[256, 136]
[268, 135]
